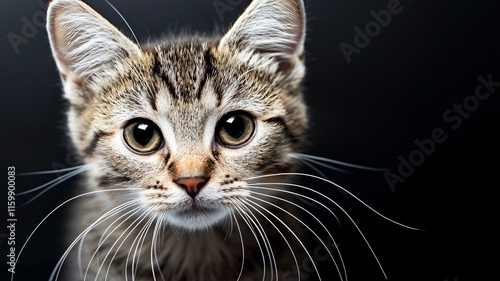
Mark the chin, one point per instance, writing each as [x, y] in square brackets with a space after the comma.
[196, 218]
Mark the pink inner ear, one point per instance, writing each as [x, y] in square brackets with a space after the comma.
[275, 28]
[82, 41]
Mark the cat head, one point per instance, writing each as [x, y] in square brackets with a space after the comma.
[183, 124]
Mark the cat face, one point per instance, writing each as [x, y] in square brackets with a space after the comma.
[183, 125]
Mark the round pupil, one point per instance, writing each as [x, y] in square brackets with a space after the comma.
[143, 133]
[235, 126]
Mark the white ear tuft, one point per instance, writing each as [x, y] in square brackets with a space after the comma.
[273, 28]
[83, 42]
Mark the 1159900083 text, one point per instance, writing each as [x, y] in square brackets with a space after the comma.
[11, 219]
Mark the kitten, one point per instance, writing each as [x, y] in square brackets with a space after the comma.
[187, 144]
[172, 133]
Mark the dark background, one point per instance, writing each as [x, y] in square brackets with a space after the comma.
[369, 112]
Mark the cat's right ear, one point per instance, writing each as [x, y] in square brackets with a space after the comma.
[84, 44]
[273, 29]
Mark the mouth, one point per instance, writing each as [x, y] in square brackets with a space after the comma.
[197, 216]
[195, 208]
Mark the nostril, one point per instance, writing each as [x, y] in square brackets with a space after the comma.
[192, 185]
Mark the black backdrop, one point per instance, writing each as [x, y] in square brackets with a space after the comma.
[403, 83]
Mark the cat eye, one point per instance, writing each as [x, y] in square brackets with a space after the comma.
[142, 136]
[235, 129]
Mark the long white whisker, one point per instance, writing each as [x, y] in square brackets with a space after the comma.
[246, 203]
[104, 217]
[48, 186]
[230, 229]
[56, 272]
[299, 220]
[103, 240]
[305, 162]
[336, 162]
[57, 208]
[310, 230]
[242, 246]
[152, 251]
[252, 185]
[104, 237]
[52, 171]
[255, 224]
[157, 230]
[291, 232]
[308, 161]
[134, 224]
[51, 184]
[336, 185]
[347, 215]
[116, 10]
[141, 240]
[56, 181]
[140, 236]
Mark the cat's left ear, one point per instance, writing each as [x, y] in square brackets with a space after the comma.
[272, 28]
[84, 44]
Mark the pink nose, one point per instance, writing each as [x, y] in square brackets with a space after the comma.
[191, 185]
